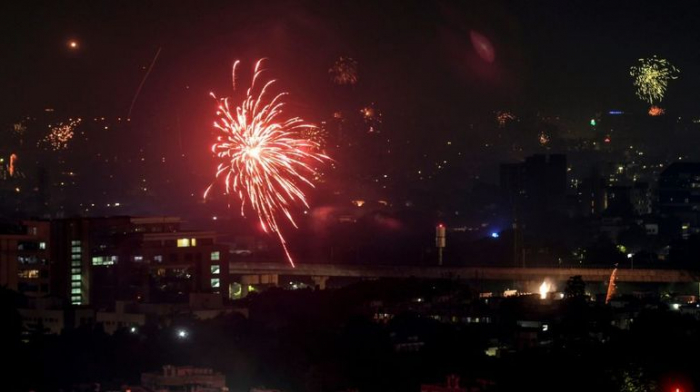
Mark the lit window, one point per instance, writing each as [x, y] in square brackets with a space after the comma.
[74, 284]
[215, 283]
[75, 291]
[183, 242]
[76, 249]
[29, 274]
[75, 277]
[76, 257]
[215, 256]
[138, 258]
[75, 270]
[194, 241]
[104, 260]
[158, 258]
[215, 269]
[75, 243]
[42, 245]
[75, 263]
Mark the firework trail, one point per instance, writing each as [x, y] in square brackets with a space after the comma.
[143, 81]
[651, 78]
[264, 158]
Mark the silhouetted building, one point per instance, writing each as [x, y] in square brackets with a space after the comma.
[679, 194]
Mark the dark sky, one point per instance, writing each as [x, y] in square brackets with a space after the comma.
[415, 57]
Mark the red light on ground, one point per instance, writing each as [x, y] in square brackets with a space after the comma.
[482, 46]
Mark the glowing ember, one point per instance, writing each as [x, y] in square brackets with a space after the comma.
[545, 288]
[264, 161]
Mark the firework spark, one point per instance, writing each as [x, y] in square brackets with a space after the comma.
[344, 71]
[264, 159]
[655, 111]
[317, 135]
[372, 117]
[651, 78]
[60, 134]
[504, 118]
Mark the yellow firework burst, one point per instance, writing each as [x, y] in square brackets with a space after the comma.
[651, 78]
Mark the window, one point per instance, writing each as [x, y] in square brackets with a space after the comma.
[215, 256]
[75, 277]
[158, 258]
[183, 242]
[215, 269]
[76, 257]
[75, 270]
[215, 283]
[104, 260]
[33, 230]
[75, 291]
[138, 258]
[76, 249]
[75, 243]
[42, 245]
[29, 274]
[74, 284]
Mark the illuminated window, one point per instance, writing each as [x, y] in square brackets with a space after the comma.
[215, 283]
[104, 260]
[74, 284]
[138, 258]
[75, 270]
[29, 274]
[215, 256]
[42, 245]
[75, 277]
[215, 269]
[75, 249]
[183, 242]
[75, 263]
[194, 241]
[76, 257]
[158, 258]
[75, 291]
[75, 243]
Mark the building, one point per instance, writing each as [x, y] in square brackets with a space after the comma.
[536, 185]
[679, 194]
[125, 315]
[97, 261]
[184, 379]
[25, 262]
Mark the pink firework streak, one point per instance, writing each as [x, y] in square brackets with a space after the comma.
[264, 158]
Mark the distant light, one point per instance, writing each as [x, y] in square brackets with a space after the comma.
[616, 112]
[181, 334]
[73, 44]
[593, 122]
[676, 306]
[495, 235]
[132, 330]
[629, 255]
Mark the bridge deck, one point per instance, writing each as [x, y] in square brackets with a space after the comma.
[465, 273]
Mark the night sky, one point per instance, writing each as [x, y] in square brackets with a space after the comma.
[413, 56]
[416, 62]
